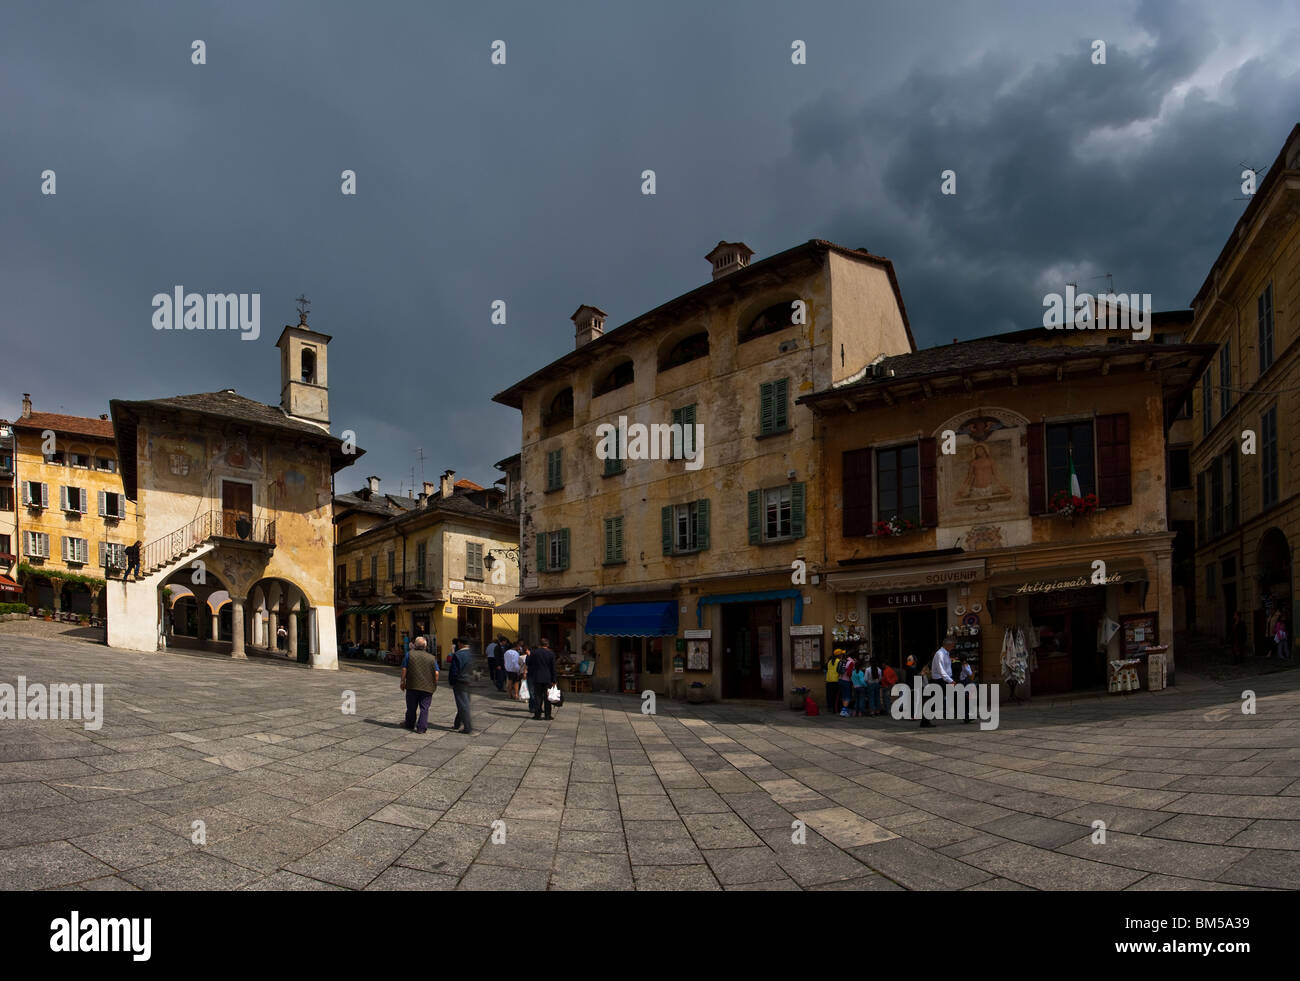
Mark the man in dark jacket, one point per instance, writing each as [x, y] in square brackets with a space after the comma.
[540, 672]
[458, 673]
[419, 681]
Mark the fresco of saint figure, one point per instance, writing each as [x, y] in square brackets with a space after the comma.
[982, 482]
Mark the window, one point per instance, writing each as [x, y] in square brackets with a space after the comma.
[112, 505]
[5, 545]
[73, 499]
[1185, 408]
[54, 459]
[614, 463]
[6, 500]
[1180, 468]
[770, 321]
[392, 564]
[421, 553]
[614, 539]
[75, 549]
[112, 555]
[36, 544]
[1202, 506]
[341, 573]
[553, 551]
[685, 527]
[898, 483]
[1217, 509]
[308, 366]
[80, 460]
[1070, 443]
[554, 470]
[356, 569]
[1268, 457]
[1228, 464]
[106, 463]
[684, 420]
[1264, 316]
[688, 349]
[773, 408]
[474, 561]
[36, 494]
[560, 410]
[1206, 422]
[619, 376]
[374, 566]
[6, 461]
[1225, 378]
[776, 514]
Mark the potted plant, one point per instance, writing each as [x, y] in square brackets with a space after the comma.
[894, 527]
[797, 696]
[1067, 505]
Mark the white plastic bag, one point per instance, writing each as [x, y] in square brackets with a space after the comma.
[523, 691]
[553, 695]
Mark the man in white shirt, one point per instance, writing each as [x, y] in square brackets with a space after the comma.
[512, 671]
[941, 663]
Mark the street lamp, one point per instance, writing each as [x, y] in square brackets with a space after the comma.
[489, 560]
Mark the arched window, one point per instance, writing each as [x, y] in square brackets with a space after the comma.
[309, 366]
[771, 320]
[561, 408]
[621, 374]
[690, 348]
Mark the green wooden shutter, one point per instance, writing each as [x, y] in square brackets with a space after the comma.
[609, 539]
[564, 549]
[666, 519]
[541, 552]
[702, 524]
[796, 509]
[688, 429]
[618, 539]
[780, 394]
[755, 524]
[679, 419]
[765, 408]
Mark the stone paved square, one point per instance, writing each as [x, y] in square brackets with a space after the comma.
[292, 794]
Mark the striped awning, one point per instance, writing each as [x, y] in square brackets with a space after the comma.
[550, 606]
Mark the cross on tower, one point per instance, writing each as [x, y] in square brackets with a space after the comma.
[304, 305]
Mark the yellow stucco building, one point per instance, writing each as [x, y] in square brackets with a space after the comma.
[72, 518]
[234, 505]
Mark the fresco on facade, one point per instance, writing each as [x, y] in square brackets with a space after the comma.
[984, 479]
[235, 453]
[173, 457]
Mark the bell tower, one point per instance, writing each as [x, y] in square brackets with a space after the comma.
[304, 374]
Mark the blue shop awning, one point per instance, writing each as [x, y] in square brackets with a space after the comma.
[758, 597]
[633, 620]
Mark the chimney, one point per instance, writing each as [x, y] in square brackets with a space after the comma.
[446, 482]
[27, 406]
[428, 491]
[374, 484]
[103, 416]
[420, 499]
[727, 257]
[589, 323]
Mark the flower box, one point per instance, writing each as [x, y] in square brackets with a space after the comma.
[1068, 506]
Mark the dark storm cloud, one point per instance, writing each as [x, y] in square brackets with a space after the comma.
[522, 183]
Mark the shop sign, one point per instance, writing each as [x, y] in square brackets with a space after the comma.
[472, 597]
[807, 630]
[455, 584]
[925, 597]
[914, 579]
[695, 634]
[1078, 582]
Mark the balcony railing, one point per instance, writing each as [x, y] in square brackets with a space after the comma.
[361, 587]
[223, 525]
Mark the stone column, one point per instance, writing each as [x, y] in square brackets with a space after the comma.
[237, 628]
[292, 650]
[312, 644]
[216, 627]
[272, 640]
[56, 588]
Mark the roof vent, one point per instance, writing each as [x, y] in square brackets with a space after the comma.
[589, 323]
[727, 257]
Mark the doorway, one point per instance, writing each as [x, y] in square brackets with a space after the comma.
[236, 503]
[897, 633]
[752, 650]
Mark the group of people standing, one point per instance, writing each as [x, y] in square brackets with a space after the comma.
[1276, 630]
[510, 666]
[859, 685]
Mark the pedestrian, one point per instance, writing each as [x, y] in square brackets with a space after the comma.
[281, 637]
[1279, 636]
[859, 691]
[458, 668]
[941, 663]
[888, 679]
[132, 561]
[491, 653]
[966, 677]
[915, 677]
[847, 664]
[833, 681]
[871, 676]
[510, 662]
[541, 675]
[419, 681]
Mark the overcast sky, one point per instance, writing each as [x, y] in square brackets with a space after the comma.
[522, 182]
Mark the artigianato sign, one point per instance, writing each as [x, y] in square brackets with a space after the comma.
[1079, 582]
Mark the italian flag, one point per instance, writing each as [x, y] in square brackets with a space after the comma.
[1075, 489]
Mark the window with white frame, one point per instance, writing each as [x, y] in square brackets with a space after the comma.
[36, 544]
[112, 555]
[777, 510]
[36, 494]
[73, 499]
[75, 549]
[112, 505]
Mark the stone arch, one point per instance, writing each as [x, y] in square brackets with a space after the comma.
[683, 345]
[282, 604]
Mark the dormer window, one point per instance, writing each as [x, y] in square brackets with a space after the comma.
[309, 366]
[622, 374]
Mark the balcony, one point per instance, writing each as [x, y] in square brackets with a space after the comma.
[221, 528]
[413, 587]
[361, 588]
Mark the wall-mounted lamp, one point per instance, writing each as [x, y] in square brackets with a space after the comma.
[510, 553]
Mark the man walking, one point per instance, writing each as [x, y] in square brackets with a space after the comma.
[493, 652]
[458, 670]
[941, 663]
[419, 681]
[132, 561]
[540, 673]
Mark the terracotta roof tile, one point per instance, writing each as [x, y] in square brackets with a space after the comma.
[75, 425]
